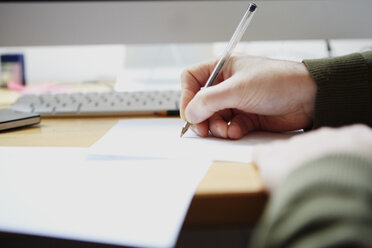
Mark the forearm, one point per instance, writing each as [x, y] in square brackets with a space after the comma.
[344, 90]
[325, 203]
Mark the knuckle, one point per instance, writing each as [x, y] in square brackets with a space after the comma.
[184, 77]
[185, 73]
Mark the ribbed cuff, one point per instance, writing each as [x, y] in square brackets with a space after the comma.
[344, 94]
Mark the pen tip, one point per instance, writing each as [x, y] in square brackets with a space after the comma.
[185, 128]
[183, 132]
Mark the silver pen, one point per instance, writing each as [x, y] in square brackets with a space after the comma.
[238, 34]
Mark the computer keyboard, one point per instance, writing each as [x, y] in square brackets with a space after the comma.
[101, 104]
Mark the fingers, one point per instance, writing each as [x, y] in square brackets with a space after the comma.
[231, 124]
[186, 96]
[192, 79]
[218, 123]
[201, 129]
[211, 100]
[197, 75]
[241, 125]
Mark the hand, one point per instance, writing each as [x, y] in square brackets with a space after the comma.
[251, 93]
[278, 159]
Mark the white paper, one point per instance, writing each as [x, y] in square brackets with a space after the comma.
[160, 138]
[54, 192]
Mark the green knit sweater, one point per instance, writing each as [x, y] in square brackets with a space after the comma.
[327, 202]
[344, 94]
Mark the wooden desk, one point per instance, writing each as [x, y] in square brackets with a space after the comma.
[229, 194]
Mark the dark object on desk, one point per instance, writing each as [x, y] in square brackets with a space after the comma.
[12, 119]
[12, 69]
[18, 240]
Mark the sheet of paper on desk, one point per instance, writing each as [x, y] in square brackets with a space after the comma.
[55, 192]
[160, 138]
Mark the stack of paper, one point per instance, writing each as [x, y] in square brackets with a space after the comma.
[55, 192]
[133, 187]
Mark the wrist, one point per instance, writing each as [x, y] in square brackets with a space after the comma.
[308, 89]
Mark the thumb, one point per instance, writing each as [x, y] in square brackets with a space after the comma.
[211, 100]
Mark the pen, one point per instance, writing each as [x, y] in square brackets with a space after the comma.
[239, 31]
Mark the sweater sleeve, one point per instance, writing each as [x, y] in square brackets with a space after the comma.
[344, 94]
[325, 203]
